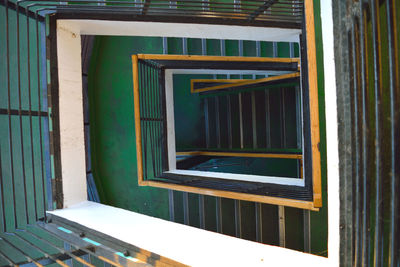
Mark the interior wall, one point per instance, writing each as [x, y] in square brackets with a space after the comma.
[112, 125]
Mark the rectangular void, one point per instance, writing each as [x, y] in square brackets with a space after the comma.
[241, 139]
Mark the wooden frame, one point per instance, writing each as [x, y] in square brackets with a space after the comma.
[229, 81]
[313, 99]
[236, 154]
[217, 58]
[314, 122]
[232, 83]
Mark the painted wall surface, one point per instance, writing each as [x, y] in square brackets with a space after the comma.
[112, 125]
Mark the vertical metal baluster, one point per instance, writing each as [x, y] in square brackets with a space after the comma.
[158, 121]
[394, 132]
[240, 98]
[299, 117]
[355, 131]
[185, 194]
[282, 230]
[283, 118]
[218, 200]
[306, 213]
[202, 213]
[154, 120]
[207, 119]
[171, 204]
[155, 123]
[229, 120]
[258, 206]
[146, 113]
[267, 120]
[30, 113]
[307, 231]
[281, 209]
[142, 128]
[49, 191]
[218, 211]
[185, 208]
[268, 110]
[3, 209]
[20, 119]
[379, 203]
[238, 212]
[143, 115]
[150, 116]
[217, 122]
[9, 116]
[365, 141]
[222, 47]
[238, 219]
[147, 110]
[254, 118]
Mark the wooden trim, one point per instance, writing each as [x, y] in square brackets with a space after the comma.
[248, 82]
[216, 58]
[193, 81]
[313, 98]
[234, 195]
[238, 154]
[138, 131]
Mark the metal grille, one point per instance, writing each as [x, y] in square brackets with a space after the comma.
[25, 172]
[282, 13]
[368, 107]
[152, 119]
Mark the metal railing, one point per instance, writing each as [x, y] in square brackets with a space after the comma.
[368, 81]
[28, 147]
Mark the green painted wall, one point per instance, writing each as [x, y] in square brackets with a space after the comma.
[112, 125]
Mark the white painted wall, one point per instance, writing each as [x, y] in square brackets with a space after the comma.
[71, 114]
[162, 29]
[188, 245]
[331, 133]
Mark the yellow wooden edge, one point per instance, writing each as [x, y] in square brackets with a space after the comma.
[193, 81]
[138, 132]
[221, 80]
[81, 261]
[248, 82]
[234, 195]
[313, 99]
[238, 154]
[216, 58]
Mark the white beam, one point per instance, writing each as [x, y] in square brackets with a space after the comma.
[331, 134]
[162, 29]
[71, 114]
[181, 243]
